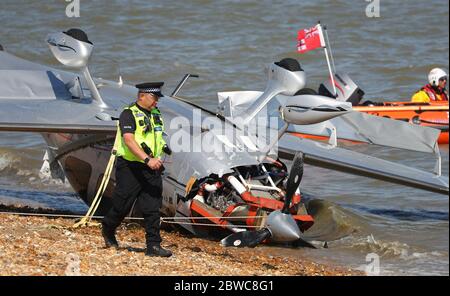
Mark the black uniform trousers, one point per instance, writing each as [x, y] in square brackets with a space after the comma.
[136, 181]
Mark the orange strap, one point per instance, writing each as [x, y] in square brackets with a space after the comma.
[262, 202]
[252, 211]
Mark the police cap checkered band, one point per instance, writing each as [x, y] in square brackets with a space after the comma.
[151, 88]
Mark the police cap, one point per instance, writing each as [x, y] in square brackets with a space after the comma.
[151, 88]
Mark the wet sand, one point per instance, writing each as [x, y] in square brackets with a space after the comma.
[49, 246]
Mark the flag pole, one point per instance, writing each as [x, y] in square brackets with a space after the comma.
[328, 60]
[331, 73]
[329, 46]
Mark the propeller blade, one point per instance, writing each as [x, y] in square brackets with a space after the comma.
[295, 177]
[301, 243]
[246, 238]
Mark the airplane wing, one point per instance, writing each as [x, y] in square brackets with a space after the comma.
[54, 116]
[323, 155]
[354, 126]
[37, 98]
[362, 127]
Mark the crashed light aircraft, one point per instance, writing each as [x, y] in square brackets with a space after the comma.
[248, 195]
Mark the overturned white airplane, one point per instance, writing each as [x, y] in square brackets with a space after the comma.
[241, 185]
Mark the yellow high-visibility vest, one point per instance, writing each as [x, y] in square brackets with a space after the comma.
[149, 130]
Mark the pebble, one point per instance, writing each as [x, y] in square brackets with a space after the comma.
[45, 251]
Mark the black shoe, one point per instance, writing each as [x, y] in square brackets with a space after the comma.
[109, 236]
[157, 251]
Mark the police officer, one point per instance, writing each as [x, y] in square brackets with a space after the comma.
[138, 168]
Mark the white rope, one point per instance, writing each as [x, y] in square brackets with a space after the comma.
[213, 217]
[167, 220]
[59, 215]
[210, 225]
[163, 219]
[86, 220]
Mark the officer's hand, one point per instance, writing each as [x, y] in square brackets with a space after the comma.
[154, 163]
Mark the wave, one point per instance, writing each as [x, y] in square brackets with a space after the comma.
[44, 200]
[22, 169]
[23, 185]
[331, 221]
[393, 249]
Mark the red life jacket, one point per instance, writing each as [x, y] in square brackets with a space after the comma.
[431, 92]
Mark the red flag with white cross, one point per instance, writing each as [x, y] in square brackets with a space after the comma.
[309, 39]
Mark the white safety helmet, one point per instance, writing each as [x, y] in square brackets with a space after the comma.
[435, 75]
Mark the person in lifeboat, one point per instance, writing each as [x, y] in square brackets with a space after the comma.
[435, 90]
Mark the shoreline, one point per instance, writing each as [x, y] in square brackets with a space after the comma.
[49, 246]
